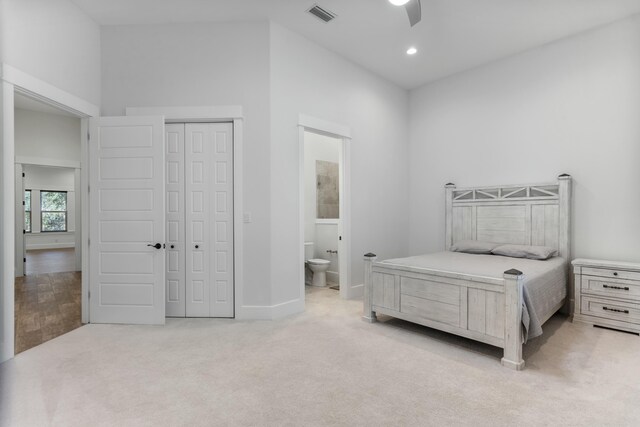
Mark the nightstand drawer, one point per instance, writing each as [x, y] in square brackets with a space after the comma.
[607, 272]
[616, 288]
[611, 309]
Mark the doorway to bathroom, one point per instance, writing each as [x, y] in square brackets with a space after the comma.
[321, 210]
[324, 210]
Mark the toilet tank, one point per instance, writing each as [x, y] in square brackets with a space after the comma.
[308, 250]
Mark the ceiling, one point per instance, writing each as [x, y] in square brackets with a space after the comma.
[25, 103]
[454, 35]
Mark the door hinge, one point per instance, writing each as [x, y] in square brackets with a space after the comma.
[88, 294]
[88, 136]
[24, 260]
[23, 174]
[24, 231]
[24, 203]
[340, 238]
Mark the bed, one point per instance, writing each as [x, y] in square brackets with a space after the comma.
[498, 300]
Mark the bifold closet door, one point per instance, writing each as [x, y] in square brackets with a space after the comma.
[174, 185]
[209, 219]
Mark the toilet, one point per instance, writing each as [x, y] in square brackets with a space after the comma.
[317, 266]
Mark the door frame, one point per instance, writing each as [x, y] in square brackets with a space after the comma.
[343, 133]
[211, 114]
[12, 81]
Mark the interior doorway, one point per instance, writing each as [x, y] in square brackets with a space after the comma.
[321, 210]
[325, 244]
[48, 254]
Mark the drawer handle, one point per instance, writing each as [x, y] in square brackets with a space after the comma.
[625, 288]
[616, 310]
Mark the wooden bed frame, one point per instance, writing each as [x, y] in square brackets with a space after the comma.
[480, 308]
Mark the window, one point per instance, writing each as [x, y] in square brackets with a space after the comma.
[53, 207]
[27, 211]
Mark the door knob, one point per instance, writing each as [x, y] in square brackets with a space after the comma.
[197, 246]
[157, 245]
[172, 246]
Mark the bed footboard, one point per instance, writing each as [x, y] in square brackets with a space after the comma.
[483, 309]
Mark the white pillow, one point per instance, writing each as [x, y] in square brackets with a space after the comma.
[473, 247]
[525, 251]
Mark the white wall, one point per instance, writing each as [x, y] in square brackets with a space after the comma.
[324, 235]
[570, 106]
[47, 136]
[37, 179]
[204, 64]
[308, 79]
[248, 64]
[54, 41]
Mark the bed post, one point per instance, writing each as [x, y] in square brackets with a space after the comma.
[513, 300]
[369, 315]
[564, 233]
[448, 215]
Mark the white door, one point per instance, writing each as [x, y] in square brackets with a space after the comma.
[209, 219]
[198, 151]
[221, 231]
[175, 290]
[127, 220]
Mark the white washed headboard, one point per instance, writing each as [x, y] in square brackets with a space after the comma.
[531, 214]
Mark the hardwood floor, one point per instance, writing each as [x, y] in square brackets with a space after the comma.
[46, 306]
[50, 260]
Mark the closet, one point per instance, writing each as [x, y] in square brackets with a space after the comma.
[199, 219]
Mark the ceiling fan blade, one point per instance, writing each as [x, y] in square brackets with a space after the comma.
[414, 11]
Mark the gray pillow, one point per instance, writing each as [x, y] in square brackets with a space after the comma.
[473, 247]
[525, 251]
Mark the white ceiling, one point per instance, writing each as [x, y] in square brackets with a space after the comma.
[454, 35]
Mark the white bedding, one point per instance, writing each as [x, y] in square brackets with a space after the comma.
[545, 282]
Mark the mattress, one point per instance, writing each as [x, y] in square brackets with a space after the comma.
[545, 282]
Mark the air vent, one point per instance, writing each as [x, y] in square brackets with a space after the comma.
[321, 13]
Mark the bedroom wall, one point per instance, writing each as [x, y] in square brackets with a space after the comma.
[308, 79]
[204, 64]
[52, 40]
[248, 64]
[571, 106]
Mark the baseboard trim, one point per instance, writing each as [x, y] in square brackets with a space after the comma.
[37, 246]
[270, 312]
[333, 276]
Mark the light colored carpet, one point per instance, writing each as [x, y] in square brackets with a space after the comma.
[323, 367]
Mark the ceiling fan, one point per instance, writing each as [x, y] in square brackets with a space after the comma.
[413, 8]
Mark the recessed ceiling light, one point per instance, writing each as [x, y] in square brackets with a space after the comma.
[398, 2]
[412, 51]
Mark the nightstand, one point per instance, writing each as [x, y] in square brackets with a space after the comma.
[607, 293]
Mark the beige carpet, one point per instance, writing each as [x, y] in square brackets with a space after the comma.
[323, 367]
